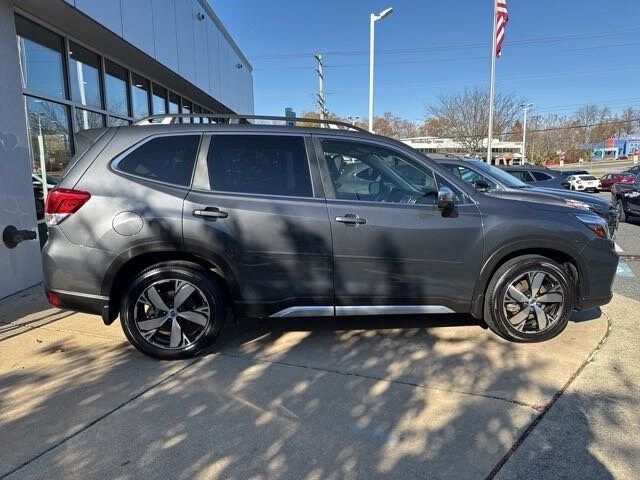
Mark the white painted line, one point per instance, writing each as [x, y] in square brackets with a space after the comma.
[618, 249]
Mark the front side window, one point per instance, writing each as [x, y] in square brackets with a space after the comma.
[40, 54]
[366, 172]
[472, 177]
[84, 76]
[259, 164]
[167, 159]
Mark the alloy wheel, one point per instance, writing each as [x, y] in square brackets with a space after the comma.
[534, 301]
[172, 314]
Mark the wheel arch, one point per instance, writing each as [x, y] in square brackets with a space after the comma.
[126, 266]
[560, 255]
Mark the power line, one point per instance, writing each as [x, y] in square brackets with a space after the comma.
[525, 41]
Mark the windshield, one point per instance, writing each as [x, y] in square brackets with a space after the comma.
[501, 176]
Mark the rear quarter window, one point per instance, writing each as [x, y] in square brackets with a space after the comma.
[539, 176]
[168, 159]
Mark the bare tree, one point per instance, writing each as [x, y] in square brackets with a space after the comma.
[465, 116]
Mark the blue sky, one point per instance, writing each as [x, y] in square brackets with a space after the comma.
[558, 54]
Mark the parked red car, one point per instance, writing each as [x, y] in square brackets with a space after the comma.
[610, 178]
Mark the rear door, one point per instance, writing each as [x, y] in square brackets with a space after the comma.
[257, 209]
[394, 252]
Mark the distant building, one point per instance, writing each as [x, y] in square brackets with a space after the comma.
[625, 145]
[502, 152]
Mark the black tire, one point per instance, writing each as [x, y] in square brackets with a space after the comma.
[495, 311]
[622, 216]
[207, 300]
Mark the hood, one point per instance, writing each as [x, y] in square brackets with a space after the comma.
[579, 196]
[526, 195]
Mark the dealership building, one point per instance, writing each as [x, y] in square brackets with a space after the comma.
[500, 150]
[77, 64]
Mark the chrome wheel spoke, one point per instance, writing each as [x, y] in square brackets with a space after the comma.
[154, 297]
[201, 317]
[152, 323]
[553, 297]
[176, 334]
[183, 292]
[516, 295]
[541, 317]
[536, 282]
[519, 319]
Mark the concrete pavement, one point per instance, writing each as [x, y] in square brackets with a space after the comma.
[378, 398]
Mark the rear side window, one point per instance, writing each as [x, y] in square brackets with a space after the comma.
[520, 175]
[259, 164]
[539, 176]
[167, 159]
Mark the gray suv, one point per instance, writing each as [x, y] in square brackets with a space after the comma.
[171, 225]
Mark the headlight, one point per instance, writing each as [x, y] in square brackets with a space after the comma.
[576, 204]
[596, 224]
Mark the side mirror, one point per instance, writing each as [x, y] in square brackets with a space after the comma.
[481, 185]
[446, 201]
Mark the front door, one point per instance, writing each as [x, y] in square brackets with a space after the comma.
[258, 211]
[394, 251]
[633, 200]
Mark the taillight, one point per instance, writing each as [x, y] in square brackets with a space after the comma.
[62, 202]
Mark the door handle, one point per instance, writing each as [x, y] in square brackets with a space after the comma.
[210, 212]
[351, 219]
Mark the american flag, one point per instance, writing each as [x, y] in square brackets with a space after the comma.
[502, 17]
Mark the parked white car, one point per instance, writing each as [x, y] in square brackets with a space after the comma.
[587, 183]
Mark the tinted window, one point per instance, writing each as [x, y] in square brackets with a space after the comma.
[259, 164]
[520, 175]
[167, 159]
[539, 176]
[362, 171]
[471, 176]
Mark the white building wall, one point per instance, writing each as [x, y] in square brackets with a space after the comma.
[186, 37]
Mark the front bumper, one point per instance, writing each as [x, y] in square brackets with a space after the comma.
[598, 270]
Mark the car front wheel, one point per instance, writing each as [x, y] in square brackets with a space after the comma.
[529, 299]
[173, 310]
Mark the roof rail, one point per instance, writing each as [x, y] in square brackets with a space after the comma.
[168, 119]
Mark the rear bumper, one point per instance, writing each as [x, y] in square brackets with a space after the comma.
[600, 262]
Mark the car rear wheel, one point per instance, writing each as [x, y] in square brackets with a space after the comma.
[622, 216]
[529, 299]
[173, 310]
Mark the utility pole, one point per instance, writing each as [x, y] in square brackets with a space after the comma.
[322, 106]
[525, 107]
[373, 18]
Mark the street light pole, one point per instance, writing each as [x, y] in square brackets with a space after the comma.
[373, 18]
[525, 107]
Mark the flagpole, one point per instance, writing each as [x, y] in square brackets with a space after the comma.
[492, 78]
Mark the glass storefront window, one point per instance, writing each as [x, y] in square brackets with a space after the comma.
[40, 54]
[84, 76]
[117, 122]
[186, 109]
[49, 135]
[174, 103]
[115, 85]
[159, 102]
[86, 119]
[196, 109]
[140, 96]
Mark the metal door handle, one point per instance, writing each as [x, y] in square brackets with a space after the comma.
[210, 212]
[351, 219]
